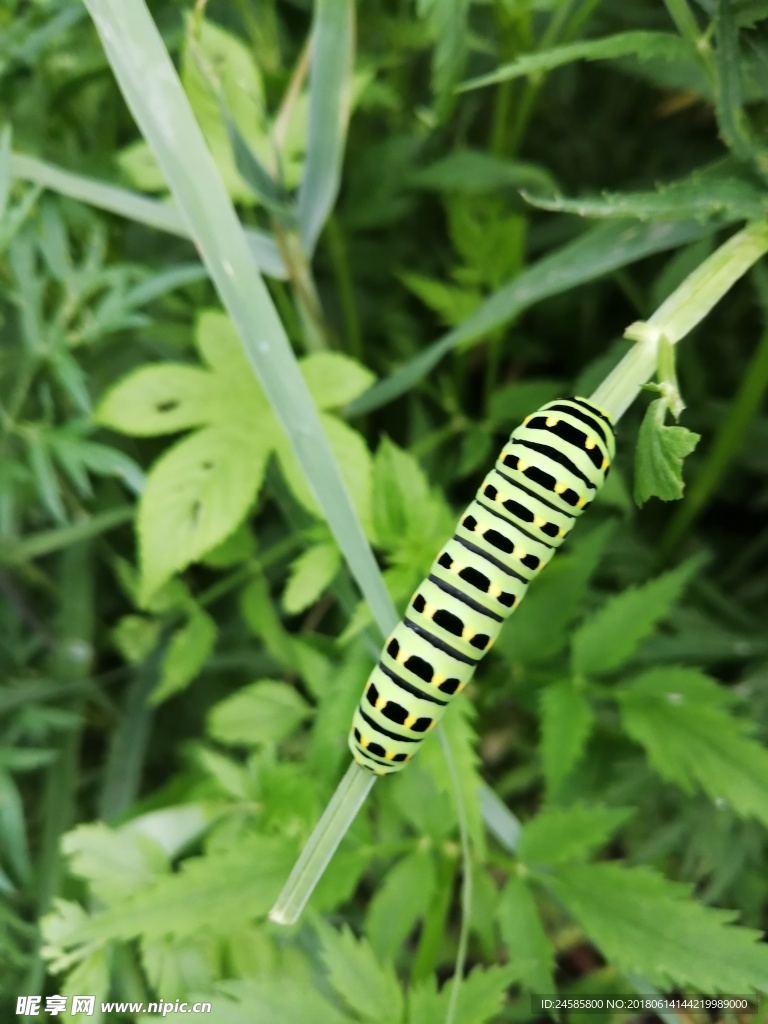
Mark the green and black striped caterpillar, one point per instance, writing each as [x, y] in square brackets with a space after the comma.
[546, 475]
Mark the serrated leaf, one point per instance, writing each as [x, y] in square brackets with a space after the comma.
[566, 724]
[542, 626]
[558, 835]
[678, 716]
[335, 379]
[451, 302]
[264, 712]
[646, 45]
[724, 191]
[369, 988]
[531, 953]
[659, 456]
[311, 574]
[481, 996]
[188, 650]
[224, 889]
[642, 923]
[114, 863]
[195, 496]
[280, 997]
[461, 737]
[607, 639]
[399, 903]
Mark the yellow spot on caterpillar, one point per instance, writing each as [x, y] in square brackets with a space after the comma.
[604, 466]
[589, 443]
[467, 634]
[380, 771]
[381, 703]
[459, 688]
[458, 569]
[559, 488]
[519, 553]
[581, 502]
[410, 721]
[561, 532]
[364, 741]
[527, 420]
[437, 679]
[539, 522]
[494, 591]
[428, 610]
[431, 725]
[552, 421]
[522, 466]
[390, 755]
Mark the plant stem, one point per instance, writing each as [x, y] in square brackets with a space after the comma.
[337, 250]
[678, 315]
[328, 833]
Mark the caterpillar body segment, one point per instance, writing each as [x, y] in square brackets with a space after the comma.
[546, 475]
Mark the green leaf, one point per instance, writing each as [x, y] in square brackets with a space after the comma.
[598, 251]
[114, 863]
[678, 715]
[334, 379]
[732, 119]
[558, 835]
[566, 724]
[659, 456]
[264, 712]
[135, 637]
[280, 997]
[607, 639]
[531, 954]
[330, 84]
[473, 171]
[645, 45]
[155, 400]
[366, 986]
[217, 51]
[224, 889]
[461, 736]
[195, 496]
[642, 923]
[542, 626]
[400, 901]
[481, 996]
[311, 574]
[188, 650]
[452, 303]
[723, 191]
[447, 22]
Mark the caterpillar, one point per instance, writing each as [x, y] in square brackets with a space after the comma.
[546, 475]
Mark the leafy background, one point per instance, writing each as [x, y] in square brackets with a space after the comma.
[181, 642]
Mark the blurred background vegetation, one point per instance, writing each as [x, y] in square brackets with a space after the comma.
[174, 721]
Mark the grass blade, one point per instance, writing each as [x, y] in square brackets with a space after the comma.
[625, 44]
[123, 202]
[330, 84]
[152, 89]
[598, 251]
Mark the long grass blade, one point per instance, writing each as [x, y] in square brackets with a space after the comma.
[148, 80]
[154, 213]
[330, 85]
[598, 251]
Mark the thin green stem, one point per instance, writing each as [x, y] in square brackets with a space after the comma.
[727, 442]
[328, 833]
[433, 933]
[48, 541]
[337, 250]
[679, 314]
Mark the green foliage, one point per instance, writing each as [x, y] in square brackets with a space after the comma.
[606, 640]
[173, 720]
[659, 456]
[198, 493]
[660, 932]
[680, 717]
